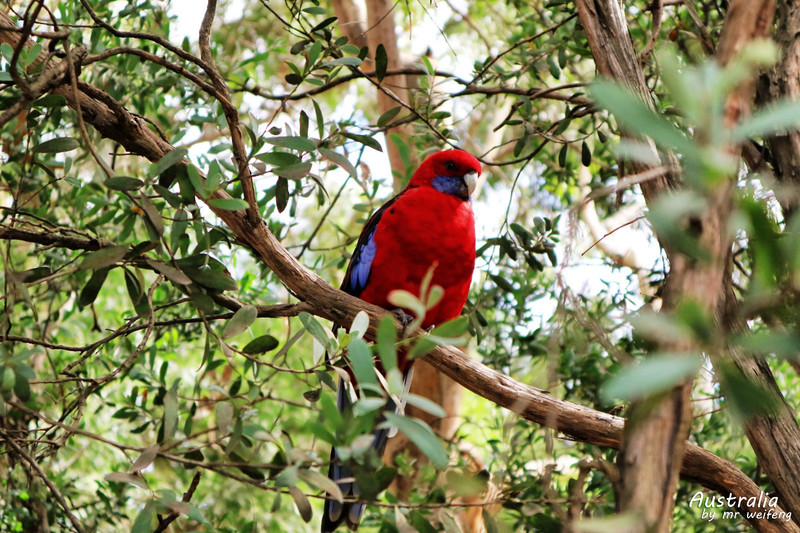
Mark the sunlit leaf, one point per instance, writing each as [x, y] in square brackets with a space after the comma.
[422, 436]
[652, 376]
[242, 319]
[103, 257]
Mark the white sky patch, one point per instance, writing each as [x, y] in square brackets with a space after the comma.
[190, 15]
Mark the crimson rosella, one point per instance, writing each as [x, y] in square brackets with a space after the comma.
[428, 225]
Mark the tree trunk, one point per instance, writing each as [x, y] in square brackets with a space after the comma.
[654, 442]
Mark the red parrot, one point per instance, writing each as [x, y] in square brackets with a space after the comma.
[428, 224]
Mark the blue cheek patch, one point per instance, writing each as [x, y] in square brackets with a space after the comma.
[447, 184]
[450, 185]
[363, 265]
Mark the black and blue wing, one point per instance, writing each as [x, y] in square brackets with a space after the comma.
[360, 267]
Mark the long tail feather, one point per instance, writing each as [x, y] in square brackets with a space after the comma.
[350, 513]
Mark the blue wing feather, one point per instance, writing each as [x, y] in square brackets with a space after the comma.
[360, 267]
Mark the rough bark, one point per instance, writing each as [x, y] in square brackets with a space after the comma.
[780, 83]
[657, 429]
[776, 437]
[351, 21]
[654, 438]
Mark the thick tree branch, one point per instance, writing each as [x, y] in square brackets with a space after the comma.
[656, 434]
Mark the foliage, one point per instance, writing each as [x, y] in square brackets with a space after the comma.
[154, 370]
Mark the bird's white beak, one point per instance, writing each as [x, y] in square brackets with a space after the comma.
[471, 179]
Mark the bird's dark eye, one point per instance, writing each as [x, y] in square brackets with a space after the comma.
[450, 165]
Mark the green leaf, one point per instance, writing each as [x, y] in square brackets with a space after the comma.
[327, 22]
[637, 151]
[654, 375]
[35, 274]
[103, 257]
[426, 405]
[405, 300]
[555, 71]
[369, 404]
[347, 61]
[171, 273]
[780, 117]
[420, 522]
[452, 329]
[586, 154]
[360, 324]
[366, 140]
[261, 344]
[301, 144]
[144, 520]
[361, 362]
[314, 52]
[666, 216]
[145, 459]
[381, 62]
[7, 51]
[152, 216]
[318, 480]
[302, 504]
[58, 145]
[293, 78]
[294, 172]
[124, 477]
[315, 328]
[8, 378]
[170, 158]
[123, 183]
[386, 338]
[422, 435]
[213, 179]
[319, 119]
[242, 319]
[279, 159]
[423, 346]
[338, 159]
[387, 117]
[228, 204]
[281, 194]
[179, 224]
[32, 53]
[213, 279]
[224, 415]
[92, 288]
[374, 483]
[747, 397]
[170, 412]
[22, 387]
[636, 117]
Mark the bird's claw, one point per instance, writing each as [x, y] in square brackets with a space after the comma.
[404, 318]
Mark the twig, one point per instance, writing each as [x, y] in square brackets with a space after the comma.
[612, 232]
[50, 485]
[163, 523]
[231, 113]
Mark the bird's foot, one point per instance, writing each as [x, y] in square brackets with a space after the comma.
[404, 318]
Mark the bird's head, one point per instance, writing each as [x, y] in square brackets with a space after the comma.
[451, 171]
